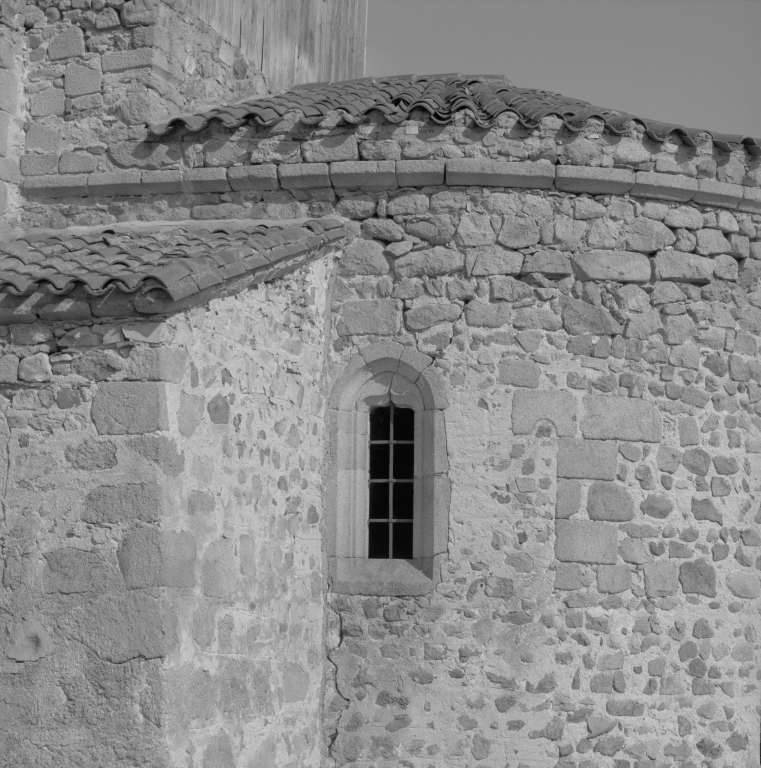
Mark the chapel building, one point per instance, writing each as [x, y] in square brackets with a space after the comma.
[406, 422]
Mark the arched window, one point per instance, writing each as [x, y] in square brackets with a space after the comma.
[387, 512]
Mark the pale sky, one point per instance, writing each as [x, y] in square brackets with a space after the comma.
[693, 62]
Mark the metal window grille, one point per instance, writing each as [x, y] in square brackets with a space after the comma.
[392, 483]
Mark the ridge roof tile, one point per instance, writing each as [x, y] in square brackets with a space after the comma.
[442, 96]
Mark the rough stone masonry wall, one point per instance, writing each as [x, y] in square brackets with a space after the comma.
[599, 605]
[292, 170]
[80, 78]
[161, 574]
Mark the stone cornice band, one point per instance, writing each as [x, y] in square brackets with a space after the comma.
[379, 175]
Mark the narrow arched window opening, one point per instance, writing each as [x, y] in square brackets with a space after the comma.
[392, 483]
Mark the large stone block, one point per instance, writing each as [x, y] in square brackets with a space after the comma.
[698, 577]
[259, 177]
[363, 257]
[79, 80]
[587, 459]
[303, 175]
[330, 149]
[661, 578]
[547, 262]
[430, 263]
[29, 641]
[620, 266]
[609, 501]
[219, 570]
[67, 44]
[496, 173]
[621, 418]
[120, 627]
[112, 504]
[364, 174]
[580, 318]
[373, 316]
[70, 570]
[419, 173]
[683, 267]
[744, 585]
[493, 260]
[130, 408]
[519, 373]
[664, 186]
[152, 558]
[612, 579]
[555, 406]
[157, 363]
[426, 315]
[593, 181]
[479, 314]
[579, 541]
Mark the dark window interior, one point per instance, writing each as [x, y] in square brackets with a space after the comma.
[392, 469]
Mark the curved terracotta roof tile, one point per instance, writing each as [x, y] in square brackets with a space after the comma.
[442, 96]
[181, 259]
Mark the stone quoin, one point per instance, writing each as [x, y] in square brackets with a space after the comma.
[207, 314]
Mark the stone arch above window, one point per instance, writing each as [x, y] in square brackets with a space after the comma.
[384, 373]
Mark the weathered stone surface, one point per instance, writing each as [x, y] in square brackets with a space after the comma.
[67, 44]
[363, 257]
[657, 506]
[698, 578]
[436, 230]
[35, 368]
[683, 267]
[424, 316]
[112, 504]
[587, 459]
[492, 260]
[219, 571]
[69, 571]
[152, 558]
[546, 262]
[621, 418]
[712, 242]
[612, 579]
[579, 318]
[481, 315]
[519, 373]
[120, 627]
[330, 149]
[661, 578]
[518, 232]
[609, 501]
[29, 641]
[130, 408]
[579, 541]
[568, 496]
[475, 229]
[383, 229]
[376, 316]
[621, 266]
[744, 585]
[697, 461]
[537, 318]
[92, 455]
[529, 408]
[648, 236]
[430, 262]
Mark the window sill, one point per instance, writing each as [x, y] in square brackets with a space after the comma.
[360, 576]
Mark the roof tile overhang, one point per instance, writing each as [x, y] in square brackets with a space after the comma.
[442, 96]
[182, 259]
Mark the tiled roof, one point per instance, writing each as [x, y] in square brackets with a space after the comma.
[180, 258]
[486, 96]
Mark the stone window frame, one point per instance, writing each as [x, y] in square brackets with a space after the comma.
[381, 373]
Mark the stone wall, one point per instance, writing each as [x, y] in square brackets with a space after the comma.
[161, 573]
[599, 604]
[80, 78]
